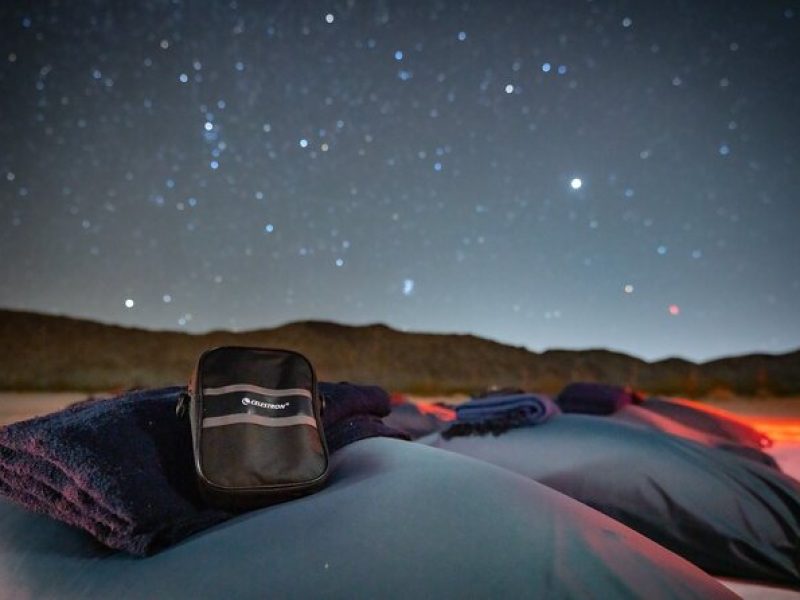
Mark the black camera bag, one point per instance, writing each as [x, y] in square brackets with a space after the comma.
[256, 425]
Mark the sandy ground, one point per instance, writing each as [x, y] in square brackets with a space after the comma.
[17, 406]
[762, 407]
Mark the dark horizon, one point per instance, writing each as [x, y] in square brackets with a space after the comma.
[316, 321]
[574, 175]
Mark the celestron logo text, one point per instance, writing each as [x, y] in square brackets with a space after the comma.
[250, 402]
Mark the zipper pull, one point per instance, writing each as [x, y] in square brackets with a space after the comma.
[182, 407]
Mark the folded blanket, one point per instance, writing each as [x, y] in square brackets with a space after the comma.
[496, 414]
[122, 469]
[595, 398]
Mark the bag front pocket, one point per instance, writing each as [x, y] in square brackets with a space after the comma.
[254, 436]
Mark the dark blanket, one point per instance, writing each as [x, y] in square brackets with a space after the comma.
[353, 412]
[496, 414]
[122, 469]
[595, 398]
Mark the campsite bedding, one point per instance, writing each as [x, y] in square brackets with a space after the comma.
[731, 516]
[397, 520]
[122, 470]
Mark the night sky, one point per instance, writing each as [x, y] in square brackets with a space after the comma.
[554, 175]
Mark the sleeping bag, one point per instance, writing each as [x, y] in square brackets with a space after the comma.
[730, 516]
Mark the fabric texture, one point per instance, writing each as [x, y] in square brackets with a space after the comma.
[595, 398]
[354, 412]
[497, 414]
[730, 516]
[344, 399]
[122, 469]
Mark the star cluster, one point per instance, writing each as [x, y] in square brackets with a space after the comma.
[573, 174]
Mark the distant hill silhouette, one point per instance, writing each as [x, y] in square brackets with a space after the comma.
[43, 352]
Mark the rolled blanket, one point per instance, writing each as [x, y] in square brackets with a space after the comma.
[497, 414]
[595, 398]
[122, 469]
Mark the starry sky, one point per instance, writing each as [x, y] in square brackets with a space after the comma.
[554, 175]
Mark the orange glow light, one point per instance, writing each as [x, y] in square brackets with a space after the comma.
[779, 429]
[441, 412]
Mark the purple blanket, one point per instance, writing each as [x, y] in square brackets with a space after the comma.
[595, 398]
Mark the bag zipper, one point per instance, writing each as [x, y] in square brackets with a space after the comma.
[182, 407]
[185, 398]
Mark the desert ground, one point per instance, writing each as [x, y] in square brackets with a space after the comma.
[17, 406]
